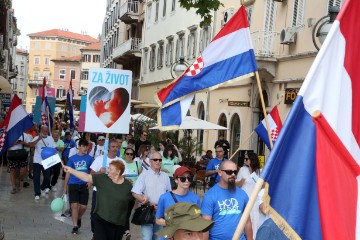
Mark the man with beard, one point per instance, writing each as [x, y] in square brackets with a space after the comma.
[224, 204]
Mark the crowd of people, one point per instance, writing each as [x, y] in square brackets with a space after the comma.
[135, 173]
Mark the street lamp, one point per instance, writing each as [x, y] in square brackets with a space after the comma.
[178, 67]
[322, 27]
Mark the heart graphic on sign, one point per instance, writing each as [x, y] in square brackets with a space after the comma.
[108, 106]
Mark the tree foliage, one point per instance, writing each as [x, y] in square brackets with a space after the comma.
[203, 8]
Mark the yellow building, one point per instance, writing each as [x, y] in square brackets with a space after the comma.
[45, 46]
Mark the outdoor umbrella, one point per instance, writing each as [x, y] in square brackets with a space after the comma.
[193, 123]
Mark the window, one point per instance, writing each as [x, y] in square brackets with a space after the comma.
[22, 70]
[62, 73]
[47, 46]
[173, 5]
[191, 47]
[205, 38]
[145, 60]
[335, 3]
[21, 95]
[169, 51]
[96, 58]
[37, 60]
[45, 74]
[37, 45]
[36, 75]
[179, 47]
[160, 56]
[60, 92]
[249, 11]
[149, 15]
[298, 13]
[73, 74]
[85, 75]
[164, 9]
[157, 10]
[21, 82]
[269, 24]
[152, 58]
[86, 58]
[64, 48]
[47, 60]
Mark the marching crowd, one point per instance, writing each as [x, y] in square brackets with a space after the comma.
[148, 180]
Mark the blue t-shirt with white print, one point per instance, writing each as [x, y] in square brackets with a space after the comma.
[214, 164]
[79, 163]
[225, 208]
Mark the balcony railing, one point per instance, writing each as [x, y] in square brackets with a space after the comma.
[266, 43]
[130, 47]
[129, 11]
[38, 82]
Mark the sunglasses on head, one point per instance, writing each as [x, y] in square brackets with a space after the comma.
[157, 159]
[230, 172]
[183, 179]
[129, 154]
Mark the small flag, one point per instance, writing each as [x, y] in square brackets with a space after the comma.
[69, 98]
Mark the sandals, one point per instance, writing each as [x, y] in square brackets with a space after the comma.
[127, 235]
[13, 191]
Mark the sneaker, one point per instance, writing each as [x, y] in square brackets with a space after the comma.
[43, 193]
[79, 223]
[75, 230]
[53, 189]
[47, 190]
[37, 197]
[26, 184]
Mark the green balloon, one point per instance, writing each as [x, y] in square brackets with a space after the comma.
[57, 205]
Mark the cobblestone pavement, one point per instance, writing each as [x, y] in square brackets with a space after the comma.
[23, 218]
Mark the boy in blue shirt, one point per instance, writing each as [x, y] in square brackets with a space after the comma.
[78, 189]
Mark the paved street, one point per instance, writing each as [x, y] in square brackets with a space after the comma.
[23, 218]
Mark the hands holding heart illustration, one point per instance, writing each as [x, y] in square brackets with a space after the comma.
[109, 106]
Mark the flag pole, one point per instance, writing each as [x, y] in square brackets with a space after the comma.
[260, 181]
[246, 140]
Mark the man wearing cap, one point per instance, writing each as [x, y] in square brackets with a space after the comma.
[148, 188]
[224, 204]
[99, 148]
[183, 222]
[183, 178]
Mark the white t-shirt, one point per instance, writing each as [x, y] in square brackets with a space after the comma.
[45, 142]
[24, 137]
[99, 151]
[98, 163]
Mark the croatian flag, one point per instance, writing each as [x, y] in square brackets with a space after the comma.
[45, 107]
[16, 122]
[229, 55]
[275, 125]
[69, 98]
[314, 168]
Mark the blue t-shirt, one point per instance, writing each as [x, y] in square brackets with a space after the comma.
[226, 209]
[166, 201]
[67, 146]
[79, 163]
[214, 164]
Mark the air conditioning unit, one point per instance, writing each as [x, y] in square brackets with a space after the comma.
[288, 35]
[228, 13]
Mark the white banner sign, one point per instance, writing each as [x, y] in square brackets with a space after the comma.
[51, 161]
[108, 100]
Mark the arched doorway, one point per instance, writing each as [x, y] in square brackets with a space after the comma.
[235, 130]
[222, 122]
[260, 116]
[200, 133]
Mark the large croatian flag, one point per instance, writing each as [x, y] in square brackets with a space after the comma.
[313, 171]
[16, 122]
[69, 98]
[275, 126]
[229, 55]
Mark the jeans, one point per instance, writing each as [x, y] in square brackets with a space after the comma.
[38, 168]
[269, 230]
[148, 231]
[55, 170]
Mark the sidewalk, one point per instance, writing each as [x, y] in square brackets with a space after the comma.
[23, 218]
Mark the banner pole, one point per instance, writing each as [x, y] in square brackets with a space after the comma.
[106, 146]
[242, 144]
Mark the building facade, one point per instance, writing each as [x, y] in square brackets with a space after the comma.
[282, 35]
[90, 58]
[46, 46]
[19, 83]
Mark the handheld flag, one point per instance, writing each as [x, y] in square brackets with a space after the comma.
[46, 116]
[69, 99]
[229, 55]
[274, 124]
[314, 169]
[16, 122]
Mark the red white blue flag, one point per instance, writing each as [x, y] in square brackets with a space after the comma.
[275, 126]
[16, 122]
[229, 56]
[69, 98]
[46, 116]
[314, 168]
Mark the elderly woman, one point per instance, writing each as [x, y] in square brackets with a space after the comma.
[113, 196]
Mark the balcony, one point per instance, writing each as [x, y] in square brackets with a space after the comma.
[129, 12]
[266, 43]
[129, 50]
[33, 82]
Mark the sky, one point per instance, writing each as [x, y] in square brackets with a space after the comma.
[41, 15]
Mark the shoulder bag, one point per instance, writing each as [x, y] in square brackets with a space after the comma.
[19, 154]
[145, 214]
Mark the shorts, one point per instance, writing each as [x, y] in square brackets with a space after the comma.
[17, 164]
[78, 193]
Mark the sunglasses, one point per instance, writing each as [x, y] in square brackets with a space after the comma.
[219, 151]
[230, 172]
[145, 135]
[157, 159]
[129, 154]
[183, 179]
[101, 139]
